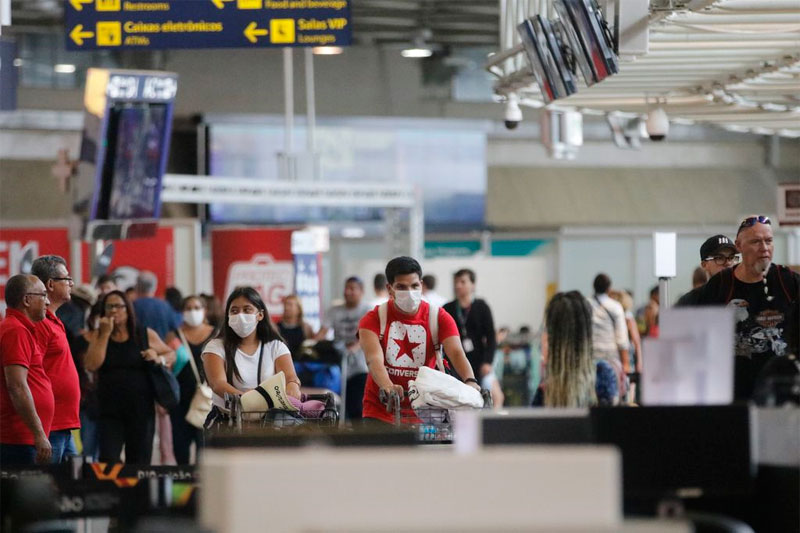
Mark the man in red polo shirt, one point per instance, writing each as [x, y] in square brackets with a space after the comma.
[58, 363]
[26, 397]
[395, 355]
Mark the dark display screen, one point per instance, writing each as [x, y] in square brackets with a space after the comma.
[132, 169]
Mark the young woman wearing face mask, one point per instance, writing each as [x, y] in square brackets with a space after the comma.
[197, 331]
[247, 335]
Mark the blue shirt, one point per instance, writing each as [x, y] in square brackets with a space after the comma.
[155, 314]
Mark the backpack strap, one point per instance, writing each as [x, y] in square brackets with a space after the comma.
[433, 325]
[433, 328]
[383, 313]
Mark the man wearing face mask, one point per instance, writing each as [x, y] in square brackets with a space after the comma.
[765, 297]
[395, 355]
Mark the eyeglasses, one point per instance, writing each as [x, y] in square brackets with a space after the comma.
[114, 307]
[68, 280]
[722, 260]
[751, 221]
[42, 294]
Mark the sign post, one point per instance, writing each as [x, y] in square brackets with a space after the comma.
[151, 24]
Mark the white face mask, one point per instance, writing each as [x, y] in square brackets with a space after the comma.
[408, 301]
[243, 324]
[194, 317]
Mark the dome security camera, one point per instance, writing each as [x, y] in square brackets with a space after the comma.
[657, 124]
[513, 114]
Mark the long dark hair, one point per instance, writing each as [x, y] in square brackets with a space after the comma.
[265, 330]
[131, 322]
[570, 366]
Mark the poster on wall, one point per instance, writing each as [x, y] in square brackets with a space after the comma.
[308, 287]
[20, 246]
[258, 257]
[129, 257]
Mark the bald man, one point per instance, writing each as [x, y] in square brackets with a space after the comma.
[26, 396]
[765, 299]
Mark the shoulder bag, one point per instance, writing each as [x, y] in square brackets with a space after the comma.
[165, 386]
[201, 401]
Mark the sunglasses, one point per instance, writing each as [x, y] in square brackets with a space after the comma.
[722, 260]
[752, 221]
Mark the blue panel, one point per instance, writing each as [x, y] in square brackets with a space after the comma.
[145, 24]
[517, 248]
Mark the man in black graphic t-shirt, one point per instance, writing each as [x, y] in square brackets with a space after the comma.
[765, 299]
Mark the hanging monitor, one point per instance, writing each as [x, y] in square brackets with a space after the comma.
[124, 150]
[589, 38]
[544, 55]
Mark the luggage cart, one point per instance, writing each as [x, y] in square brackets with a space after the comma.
[432, 424]
[239, 421]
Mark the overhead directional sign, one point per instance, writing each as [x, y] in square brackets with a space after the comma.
[104, 24]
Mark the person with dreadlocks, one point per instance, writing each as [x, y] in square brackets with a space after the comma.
[573, 377]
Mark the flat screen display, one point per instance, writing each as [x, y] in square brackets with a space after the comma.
[431, 154]
[133, 166]
[584, 30]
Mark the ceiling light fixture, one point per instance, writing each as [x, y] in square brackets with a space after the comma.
[420, 47]
[64, 68]
[327, 50]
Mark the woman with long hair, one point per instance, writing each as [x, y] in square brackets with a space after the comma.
[120, 351]
[573, 377]
[246, 342]
[292, 327]
[194, 331]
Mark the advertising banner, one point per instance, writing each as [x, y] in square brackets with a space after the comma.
[20, 246]
[258, 257]
[156, 254]
[308, 287]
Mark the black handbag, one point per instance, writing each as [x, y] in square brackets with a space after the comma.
[165, 386]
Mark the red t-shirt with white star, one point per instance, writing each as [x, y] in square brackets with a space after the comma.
[407, 345]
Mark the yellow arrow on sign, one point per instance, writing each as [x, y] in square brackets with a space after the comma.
[78, 35]
[78, 4]
[219, 3]
[252, 32]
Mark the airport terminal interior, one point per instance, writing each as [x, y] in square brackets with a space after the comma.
[400, 265]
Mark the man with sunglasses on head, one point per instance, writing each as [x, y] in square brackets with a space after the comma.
[716, 254]
[58, 362]
[765, 298]
[26, 396]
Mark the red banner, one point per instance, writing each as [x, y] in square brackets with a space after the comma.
[156, 254]
[20, 246]
[261, 258]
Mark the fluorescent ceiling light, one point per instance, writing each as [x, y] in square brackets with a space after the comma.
[327, 50]
[64, 68]
[420, 47]
[416, 52]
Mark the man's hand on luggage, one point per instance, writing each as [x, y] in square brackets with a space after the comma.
[474, 385]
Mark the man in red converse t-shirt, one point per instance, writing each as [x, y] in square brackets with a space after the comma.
[407, 344]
